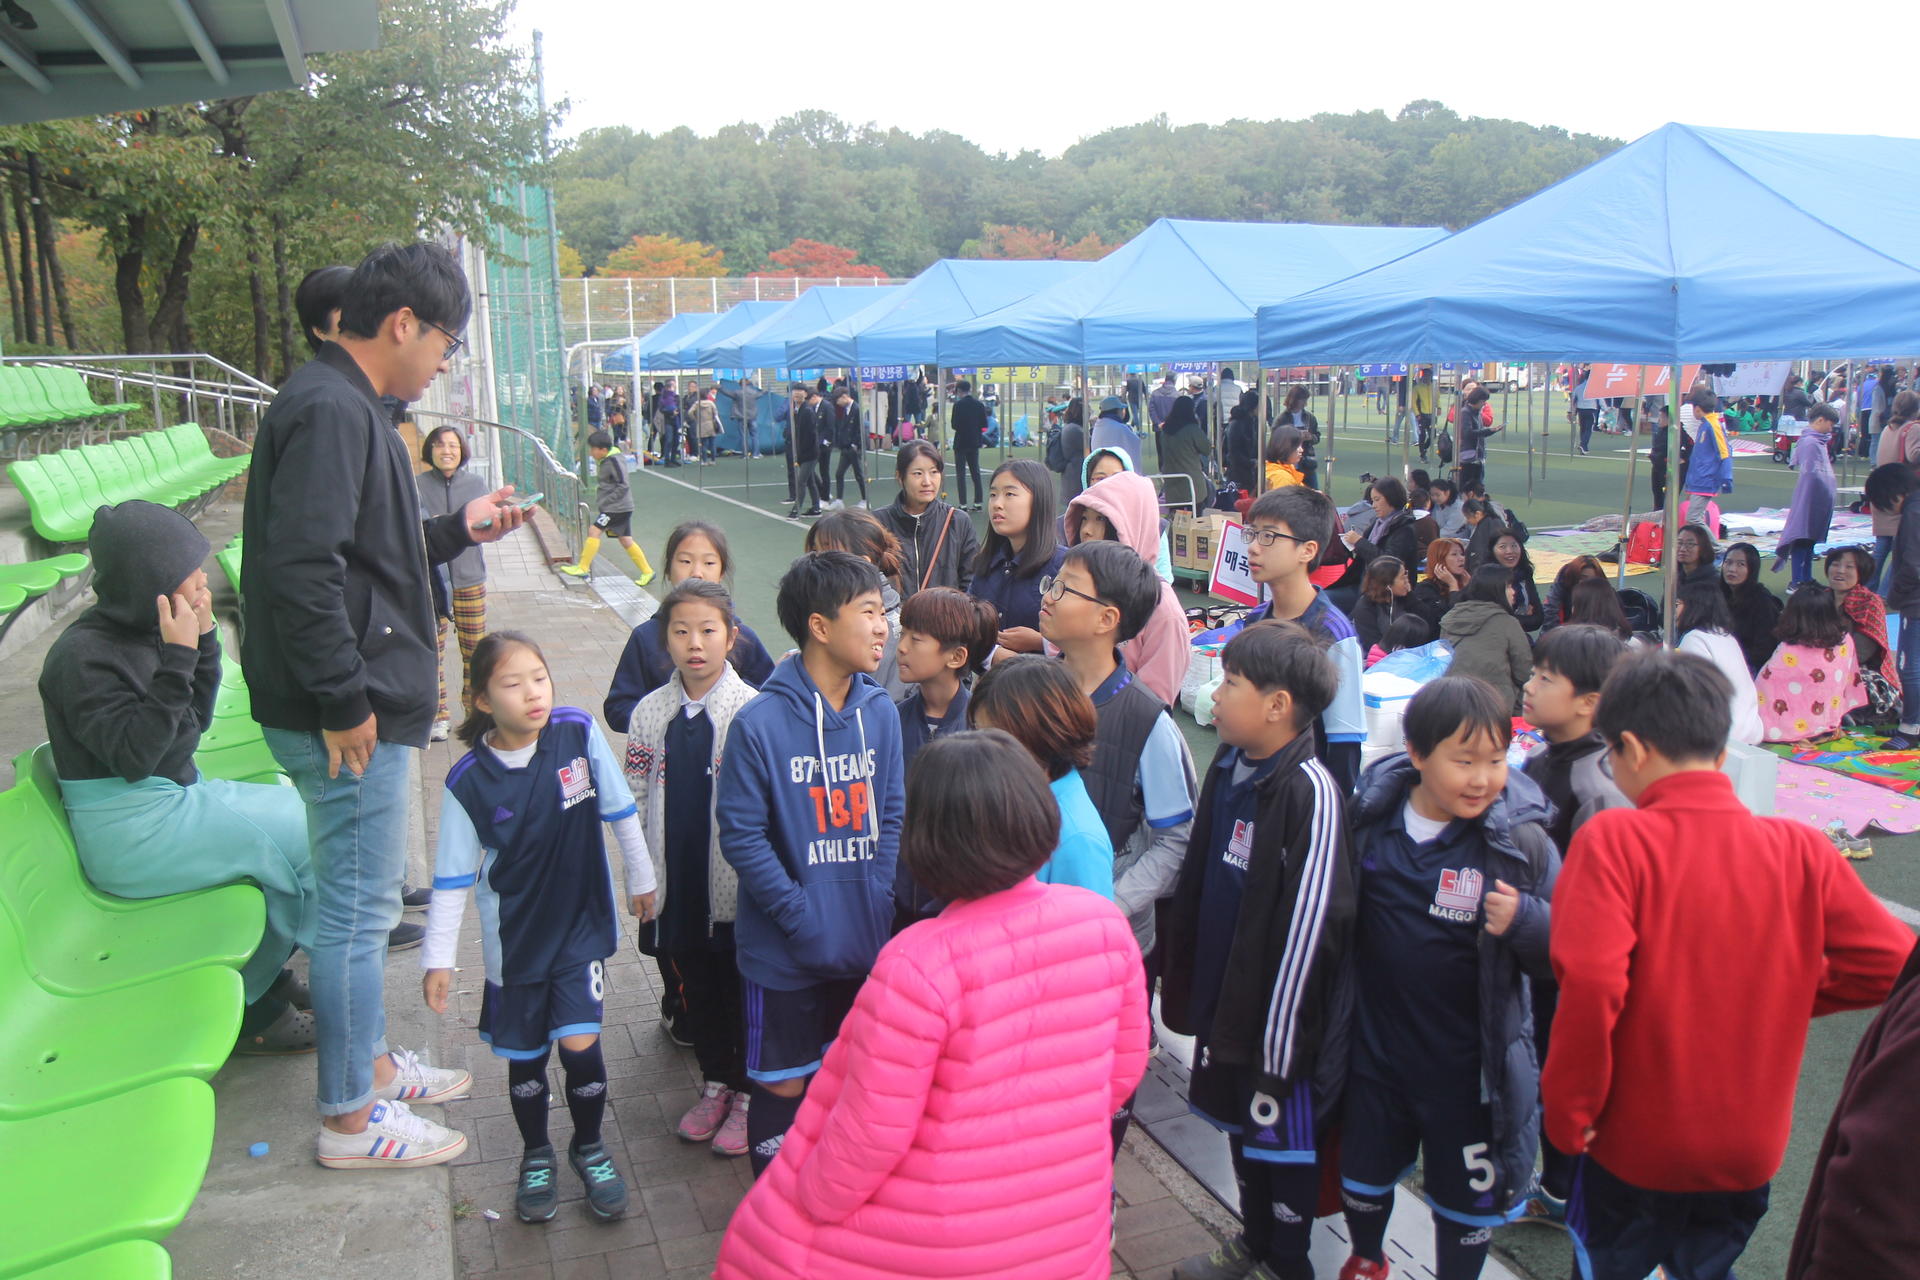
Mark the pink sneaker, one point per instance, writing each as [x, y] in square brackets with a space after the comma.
[732, 1138]
[704, 1118]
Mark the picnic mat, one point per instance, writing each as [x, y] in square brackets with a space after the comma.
[1820, 797]
[1548, 563]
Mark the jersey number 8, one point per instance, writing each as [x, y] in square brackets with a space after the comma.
[597, 984]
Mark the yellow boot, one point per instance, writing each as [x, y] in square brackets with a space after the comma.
[640, 562]
[585, 567]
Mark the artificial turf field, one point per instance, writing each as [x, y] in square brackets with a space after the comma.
[748, 499]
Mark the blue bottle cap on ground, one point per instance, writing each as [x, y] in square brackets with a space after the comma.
[257, 1150]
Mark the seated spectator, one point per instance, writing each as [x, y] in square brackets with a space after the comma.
[1487, 639]
[907, 1157]
[1754, 609]
[1284, 449]
[1813, 678]
[1704, 626]
[1383, 598]
[1425, 527]
[1560, 594]
[1510, 555]
[1848, 569]
[1408, 631]
[1482, 528]
[1445, 578]
[1596, 604]
[1693, 554]
[127, 691]
[1391, 533]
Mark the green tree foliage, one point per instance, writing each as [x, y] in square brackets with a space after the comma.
[901, 201]
[660, 256]
[210, 213]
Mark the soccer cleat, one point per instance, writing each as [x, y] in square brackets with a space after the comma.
[646, 578]
[1544, 1208]
[704, 1117]
[414, 1081]
[575, 570]
[732, 1138]
[537, 1198]
[1359, 1268]
[394, 1138]
[1230, 1261]
[606, 1189]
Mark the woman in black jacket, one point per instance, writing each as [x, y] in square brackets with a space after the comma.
[1756, 610]
[1392, 533]
[1383, 598]
[1510, 555]
[1243, 442]
[938, 542]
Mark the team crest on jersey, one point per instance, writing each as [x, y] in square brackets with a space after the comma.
[576, 782]
[1457, 897]
[1241, 845]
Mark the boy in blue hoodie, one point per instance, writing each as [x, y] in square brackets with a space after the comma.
[809, 804]
[1455, 872]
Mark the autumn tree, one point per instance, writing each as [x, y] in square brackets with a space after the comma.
[571, 267]
[657, 256]
[997, 240]
[812, 259]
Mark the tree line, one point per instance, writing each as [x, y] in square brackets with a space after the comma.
[901, 201]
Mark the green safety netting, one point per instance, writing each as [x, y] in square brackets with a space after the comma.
[529, 359]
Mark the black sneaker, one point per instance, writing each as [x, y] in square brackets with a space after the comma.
[676, 1030]
[537, 1198]
[415, 899]
[406, 936]
[606, 1189]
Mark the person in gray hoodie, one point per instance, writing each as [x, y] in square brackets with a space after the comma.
[127, 691]
[1488, 641]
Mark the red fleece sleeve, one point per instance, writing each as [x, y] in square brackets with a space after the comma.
[1592, 946]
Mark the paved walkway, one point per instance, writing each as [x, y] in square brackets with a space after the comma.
[682, 1193]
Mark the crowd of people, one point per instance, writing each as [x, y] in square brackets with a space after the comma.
[915, 882]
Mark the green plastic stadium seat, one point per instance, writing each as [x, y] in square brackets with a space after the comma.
[54, 498]
[243, 762]
[11, 597]
[64, 1051]
[67, 392]
[223, 737]
[20, 400]
[37, 577]
[79, 940]
[123, 1168]
[128, 1260]
[228, 558]
[138, 458]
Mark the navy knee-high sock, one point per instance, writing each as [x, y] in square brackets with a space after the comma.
[527, 1091]
[1367, 1221]
[586, 1091]
[768, 1120]
[1460, 1251]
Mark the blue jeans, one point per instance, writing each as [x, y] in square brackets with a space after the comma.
[357, 833]
[1801, 558]
[1909, 670]
[1882, 546]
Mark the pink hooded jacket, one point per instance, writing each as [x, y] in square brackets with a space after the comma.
[1158, 656]
[960, 1125]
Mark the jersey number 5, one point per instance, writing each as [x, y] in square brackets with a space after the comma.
[1479, 1169]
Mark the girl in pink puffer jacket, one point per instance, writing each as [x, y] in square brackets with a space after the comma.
[959, 1125]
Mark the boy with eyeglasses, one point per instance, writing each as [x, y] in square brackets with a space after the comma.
[1141, 779]
[1286, 531]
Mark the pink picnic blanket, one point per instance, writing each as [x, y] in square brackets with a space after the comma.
[1819, 796]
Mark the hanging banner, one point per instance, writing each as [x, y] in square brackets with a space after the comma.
[1007, 373]
[1754, 378]
[1609, 380]
[886, 372]
[1381, 370]
[1192, 366]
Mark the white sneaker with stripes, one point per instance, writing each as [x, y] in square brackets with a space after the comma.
[394, 1138]
[414, 1081]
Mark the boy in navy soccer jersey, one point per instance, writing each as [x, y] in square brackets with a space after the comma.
[520, 825]
[809, 803]
[1256, 947]
[1455, 869]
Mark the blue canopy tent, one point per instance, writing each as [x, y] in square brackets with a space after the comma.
[900, 329]
[1180, 290]
[643, 349]
[690, 351]
[764, 345]
[1691, 244]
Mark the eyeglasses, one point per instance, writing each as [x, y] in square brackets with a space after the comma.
[1052, 588]
[1267, 537]
[455, 345]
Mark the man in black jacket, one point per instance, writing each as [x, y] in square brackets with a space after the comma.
[849, 441]
[341, 658]
[805, 473]
[969, 433]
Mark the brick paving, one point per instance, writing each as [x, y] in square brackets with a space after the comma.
[682, 1194]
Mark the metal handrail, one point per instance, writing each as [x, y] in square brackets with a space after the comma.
[231, 391]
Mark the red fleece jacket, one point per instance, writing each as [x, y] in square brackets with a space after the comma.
[1692, 942]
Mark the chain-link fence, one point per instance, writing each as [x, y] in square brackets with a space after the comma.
[603, 307]
[529, 357]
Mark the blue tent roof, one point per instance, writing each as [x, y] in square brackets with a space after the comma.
[764, 346]
[900, 329]
[1179, 290]
[642, 349]
[690, 350]
[1691, 244]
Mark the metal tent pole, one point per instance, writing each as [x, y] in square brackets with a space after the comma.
[1626, 512]
[1669, 525]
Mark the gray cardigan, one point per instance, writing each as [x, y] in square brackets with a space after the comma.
[440, 496]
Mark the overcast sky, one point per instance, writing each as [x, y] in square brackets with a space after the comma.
[1042, 75]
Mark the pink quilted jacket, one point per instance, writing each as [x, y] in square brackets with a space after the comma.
[959, 1127]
